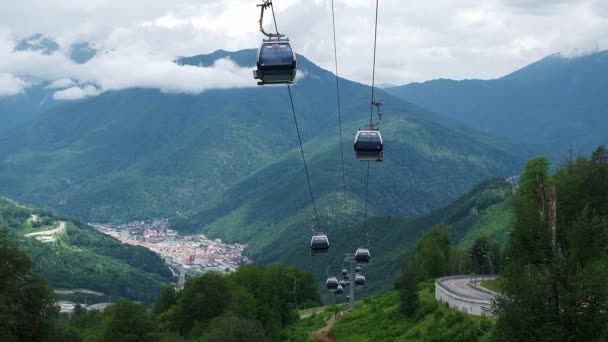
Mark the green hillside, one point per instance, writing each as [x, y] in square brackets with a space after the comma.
[484, 210]
[142, 153]
[377, 318]
[73, 256]
[226, 162]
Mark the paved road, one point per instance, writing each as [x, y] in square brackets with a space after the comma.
[462, 287]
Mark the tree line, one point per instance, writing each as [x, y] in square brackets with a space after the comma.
[554, 265]
[254, 303]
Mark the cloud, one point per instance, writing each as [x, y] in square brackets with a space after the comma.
[76, 93]
[61, 84]
[125, 67]
[423, 40]
[11, 85]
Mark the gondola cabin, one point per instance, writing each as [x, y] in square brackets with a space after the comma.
[344, 272]
[276, 62]
[369, 145]
[319, 244]
[339, 290]
[362, 256]
[332, 283]
[360, 280]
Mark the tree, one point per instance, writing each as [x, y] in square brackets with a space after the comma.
[485, 255]
[558, 268]
[128, 322]
[202, 299]
[406, 284]
[234, 329]
[600, 155]
[167, 298]
[433, 253]
[27, 308]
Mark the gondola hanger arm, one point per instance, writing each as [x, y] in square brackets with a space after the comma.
[263, 6]
[378, 104]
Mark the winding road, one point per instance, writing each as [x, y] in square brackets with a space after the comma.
[463, 295]
[464, 288]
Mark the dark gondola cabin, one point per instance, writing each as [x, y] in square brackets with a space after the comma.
[319, 244]
[362, 256]
[359, 280]
[342, 283]
[369, 145]
[357, 269]
[276, 63]
[332, 283]
[339, 290]
[344, 272]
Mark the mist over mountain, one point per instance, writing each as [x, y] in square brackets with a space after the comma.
[551, 105]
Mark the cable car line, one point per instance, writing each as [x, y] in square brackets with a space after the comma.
[333, 20]
[373, 103]
[371, 110]
[268, 3]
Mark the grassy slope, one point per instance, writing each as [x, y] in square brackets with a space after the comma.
[300, 331]
[473, 214]
[377, 318]
[84, 258]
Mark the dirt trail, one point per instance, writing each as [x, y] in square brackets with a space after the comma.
[321, 334]
[48, 235]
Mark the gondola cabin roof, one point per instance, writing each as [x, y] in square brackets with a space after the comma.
[362, 256]
[359, 280]
[332, 283]
[339, 289]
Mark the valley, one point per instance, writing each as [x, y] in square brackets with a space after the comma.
[156, 191]
[193, 254]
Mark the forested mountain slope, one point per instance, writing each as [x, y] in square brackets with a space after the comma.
[71, 255]
[554, 104]
[142, 153]
[483, 211]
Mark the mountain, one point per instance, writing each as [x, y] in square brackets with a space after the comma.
[71, 255]
[20, 109]
[142, 153]
[81, 53]
[554, 104]
[38, 42]
[227, 162]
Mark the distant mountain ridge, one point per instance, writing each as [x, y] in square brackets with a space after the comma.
[551, 105]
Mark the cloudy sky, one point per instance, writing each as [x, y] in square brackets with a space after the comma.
[418, 39]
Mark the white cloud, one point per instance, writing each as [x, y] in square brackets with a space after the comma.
[61, 84]
[126, 67]
[76, 93]
[418, 41]
[11, 85]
